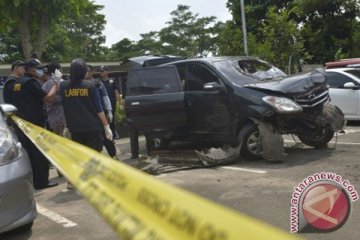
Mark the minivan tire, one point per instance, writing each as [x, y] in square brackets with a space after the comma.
[251, 142]
[318, 139]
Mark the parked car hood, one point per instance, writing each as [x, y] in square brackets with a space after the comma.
[296, 85]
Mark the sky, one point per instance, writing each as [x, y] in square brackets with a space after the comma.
[130, 18]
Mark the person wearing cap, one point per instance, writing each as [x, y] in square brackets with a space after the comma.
[105, 102]
[84, 114]
[29, 97]
[17, 72]
[113, 92]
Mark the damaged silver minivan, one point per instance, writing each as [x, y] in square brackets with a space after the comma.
[231, 101]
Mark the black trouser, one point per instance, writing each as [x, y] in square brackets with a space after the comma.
[134, 141]
[39, 163]
[94, 140]
[110, 147]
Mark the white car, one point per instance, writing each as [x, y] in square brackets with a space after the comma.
[345, 90]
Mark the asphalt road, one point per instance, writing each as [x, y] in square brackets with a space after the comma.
[257, 188]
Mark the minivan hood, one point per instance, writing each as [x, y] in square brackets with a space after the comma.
[296, 85]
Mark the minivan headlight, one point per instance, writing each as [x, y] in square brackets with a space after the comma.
[9, 150]
[282, 104]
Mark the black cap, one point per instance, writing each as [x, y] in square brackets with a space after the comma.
[32, 63]
[103, 68]
[17, 63]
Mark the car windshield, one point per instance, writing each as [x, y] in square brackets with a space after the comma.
[355, 72]
[248, 71]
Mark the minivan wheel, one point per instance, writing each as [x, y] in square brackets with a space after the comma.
[251, 142]
[317, 138]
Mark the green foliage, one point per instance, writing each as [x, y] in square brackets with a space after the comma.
[185, 35]
[119, 115]
[324, 28]
[81, 30]
[55, 29]
[328, 26]
[255, 11]
[282, 36]
[230, 40]
[280, 31]
[188, 35]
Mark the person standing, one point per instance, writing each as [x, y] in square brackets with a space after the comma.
[84, 114]
[105, 102]
[54, 109]
[113, 92]
[28, 97]
[17, 72]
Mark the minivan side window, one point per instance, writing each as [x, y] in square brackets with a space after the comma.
[197, 75]
[148, 81]
[337, 80]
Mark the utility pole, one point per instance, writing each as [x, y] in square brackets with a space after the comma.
[244, 27]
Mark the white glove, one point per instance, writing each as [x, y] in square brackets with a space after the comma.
[108, 132]
[110, 117]
[57, 76]
[66, 133]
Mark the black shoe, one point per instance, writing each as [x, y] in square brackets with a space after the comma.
[49, 185]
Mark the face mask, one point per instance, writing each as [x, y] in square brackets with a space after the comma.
[39, 72]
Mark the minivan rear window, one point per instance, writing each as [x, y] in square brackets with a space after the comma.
[153, 80]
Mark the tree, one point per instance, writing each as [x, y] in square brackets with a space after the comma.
[122, 50]
[149, 43]
[185, 35]
[282, 36]
[329, 26]
[36, 22]
[230, 39]
[81, 28]
[188, 35]
[255, 11]
[9, 45]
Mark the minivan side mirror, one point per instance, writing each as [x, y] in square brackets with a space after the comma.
[211, 86]
[350, 85]
[8, 109]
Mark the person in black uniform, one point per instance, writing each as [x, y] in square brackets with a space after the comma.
[17, 72]
[105, 103]
[113, 92]
[28, 97]
[84, 114]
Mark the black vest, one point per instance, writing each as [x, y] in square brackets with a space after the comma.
[80, 112]
[27, 96]
[8, 90]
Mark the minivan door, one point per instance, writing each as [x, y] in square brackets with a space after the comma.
[206, 102]
[155, 99]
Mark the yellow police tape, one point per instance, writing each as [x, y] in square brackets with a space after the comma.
[137, 205]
